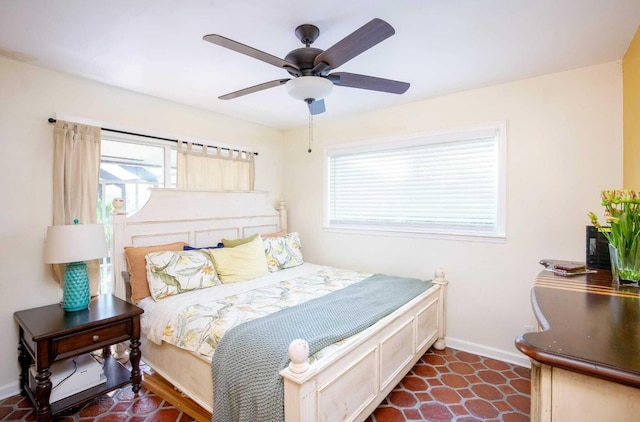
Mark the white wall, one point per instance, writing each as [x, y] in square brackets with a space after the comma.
[564, 142]
[28, 96]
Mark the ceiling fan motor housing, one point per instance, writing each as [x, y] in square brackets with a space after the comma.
[303, 58]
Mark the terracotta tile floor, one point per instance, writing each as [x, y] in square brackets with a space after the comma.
[446, 385]
[456, 386]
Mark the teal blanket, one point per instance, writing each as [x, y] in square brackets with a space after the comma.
[247, 385]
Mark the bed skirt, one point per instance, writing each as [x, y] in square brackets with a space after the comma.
[169, 362]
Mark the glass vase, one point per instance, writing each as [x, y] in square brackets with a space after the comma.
[625, 265]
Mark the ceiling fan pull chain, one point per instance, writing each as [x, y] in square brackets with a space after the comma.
[310, 132]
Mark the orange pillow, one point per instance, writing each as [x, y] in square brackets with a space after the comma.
[276, 234]
[138, 267]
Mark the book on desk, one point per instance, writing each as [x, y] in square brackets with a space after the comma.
[565, 268]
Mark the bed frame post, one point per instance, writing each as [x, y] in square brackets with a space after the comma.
[118, 264]
[439, 279]
[300, 397]
[282, 210]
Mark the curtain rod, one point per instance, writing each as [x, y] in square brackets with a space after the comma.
[52, 120]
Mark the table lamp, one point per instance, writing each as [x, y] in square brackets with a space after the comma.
[72, 244]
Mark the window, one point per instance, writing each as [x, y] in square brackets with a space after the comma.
[129, 167]
[449, 184]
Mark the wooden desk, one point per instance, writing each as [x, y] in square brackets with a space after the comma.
[586, 359]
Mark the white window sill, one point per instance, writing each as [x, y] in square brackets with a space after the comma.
[464, 237]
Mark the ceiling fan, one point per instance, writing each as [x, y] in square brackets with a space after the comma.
[310, 66]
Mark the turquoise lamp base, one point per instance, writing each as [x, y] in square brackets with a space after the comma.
[76, 295]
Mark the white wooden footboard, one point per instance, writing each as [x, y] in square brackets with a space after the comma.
[353, 381]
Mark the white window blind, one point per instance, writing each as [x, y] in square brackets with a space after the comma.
[441, 184]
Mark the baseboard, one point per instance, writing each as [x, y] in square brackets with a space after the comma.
[9, 390]
[490, 352]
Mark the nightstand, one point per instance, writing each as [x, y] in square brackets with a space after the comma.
[48, 334]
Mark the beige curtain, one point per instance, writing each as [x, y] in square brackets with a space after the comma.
[217, 169]
[76, 167]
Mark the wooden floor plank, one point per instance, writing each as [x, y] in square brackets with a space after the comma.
[154, 382]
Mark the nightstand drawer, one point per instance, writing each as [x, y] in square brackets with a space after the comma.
[93, 339]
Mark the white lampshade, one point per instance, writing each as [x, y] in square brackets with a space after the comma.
[75, 243]
[309, 87]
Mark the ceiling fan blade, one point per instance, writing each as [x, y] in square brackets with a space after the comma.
[316, 106]
[357, 42]
[253, 89]
[354, 80]
[249, 51]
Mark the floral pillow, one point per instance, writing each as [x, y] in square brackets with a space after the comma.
[283, 251]
[172, 273]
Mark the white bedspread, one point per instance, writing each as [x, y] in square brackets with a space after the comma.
[157, 315]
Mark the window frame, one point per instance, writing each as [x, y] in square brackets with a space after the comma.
[167, 146]
[127, 138]
[498, 128]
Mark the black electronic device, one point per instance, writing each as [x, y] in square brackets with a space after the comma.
[597, 249]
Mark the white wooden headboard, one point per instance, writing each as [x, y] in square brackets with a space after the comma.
[197, 217]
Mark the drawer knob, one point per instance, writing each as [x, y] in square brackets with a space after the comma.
[95, 338]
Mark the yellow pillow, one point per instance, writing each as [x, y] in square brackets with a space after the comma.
[237, 242]
[240, 263]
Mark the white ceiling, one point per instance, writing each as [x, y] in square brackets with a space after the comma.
[441, 46]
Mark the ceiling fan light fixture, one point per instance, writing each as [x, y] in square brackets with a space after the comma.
[309, 87]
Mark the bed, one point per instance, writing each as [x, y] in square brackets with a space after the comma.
[337, 386]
